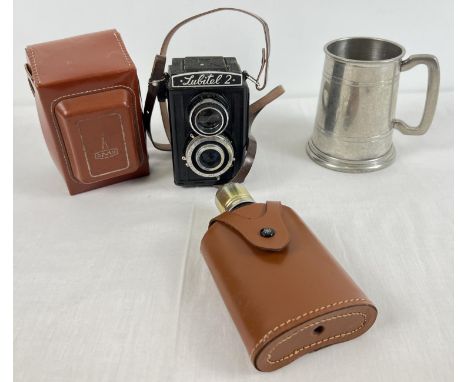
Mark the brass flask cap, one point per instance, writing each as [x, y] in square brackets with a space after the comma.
[231, 195]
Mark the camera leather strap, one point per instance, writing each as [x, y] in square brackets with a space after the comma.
[251, 149]
[158, 78]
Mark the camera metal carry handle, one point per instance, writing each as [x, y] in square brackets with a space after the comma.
[157, 77]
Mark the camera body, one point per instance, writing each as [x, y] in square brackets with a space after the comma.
[208, 101]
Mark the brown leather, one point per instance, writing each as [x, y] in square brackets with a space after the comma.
[285, 302]
[259, 105]
[87, 95]
[272, 213]
[251, 149]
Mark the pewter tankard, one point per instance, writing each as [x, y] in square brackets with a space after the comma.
[356, 107]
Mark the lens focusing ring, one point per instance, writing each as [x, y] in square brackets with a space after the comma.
[201, 144]
[206, 104]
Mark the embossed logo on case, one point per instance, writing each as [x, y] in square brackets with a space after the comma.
[102, 155]
[106, 152]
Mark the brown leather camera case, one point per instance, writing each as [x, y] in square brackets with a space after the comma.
[286, 294]
[87, 96]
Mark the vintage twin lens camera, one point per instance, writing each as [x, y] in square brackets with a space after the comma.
[209, 118]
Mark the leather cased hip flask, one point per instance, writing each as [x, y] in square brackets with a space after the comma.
[285, 292]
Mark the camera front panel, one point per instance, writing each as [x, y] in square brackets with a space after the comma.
[209, 132]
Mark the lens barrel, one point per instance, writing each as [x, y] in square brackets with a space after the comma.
[209, 116]
[209, 157]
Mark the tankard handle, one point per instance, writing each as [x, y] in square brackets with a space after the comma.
[432, 93]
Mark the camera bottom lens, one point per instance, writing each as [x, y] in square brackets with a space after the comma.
[209, 157]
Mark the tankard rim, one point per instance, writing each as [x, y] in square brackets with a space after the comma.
[337, 57]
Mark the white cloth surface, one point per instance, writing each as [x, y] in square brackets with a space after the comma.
[109, 285]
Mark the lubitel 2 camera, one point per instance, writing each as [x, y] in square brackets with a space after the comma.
[209, 114]
[204, 104]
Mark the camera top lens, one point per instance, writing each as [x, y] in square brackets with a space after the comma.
[209, 119]
[208, 116]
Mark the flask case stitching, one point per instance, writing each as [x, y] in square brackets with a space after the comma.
[268, 334]
[299, 350]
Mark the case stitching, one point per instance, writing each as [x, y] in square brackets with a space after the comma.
[35, 71]
[127, 58]
[267, 335]
[297, 351]
[62, 146]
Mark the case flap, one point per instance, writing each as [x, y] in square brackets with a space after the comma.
[250, 228]
[78, 58]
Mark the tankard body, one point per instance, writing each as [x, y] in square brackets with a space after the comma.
[356, 106]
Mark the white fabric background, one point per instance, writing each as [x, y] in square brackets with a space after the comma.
[109, 285]
[299, 29]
